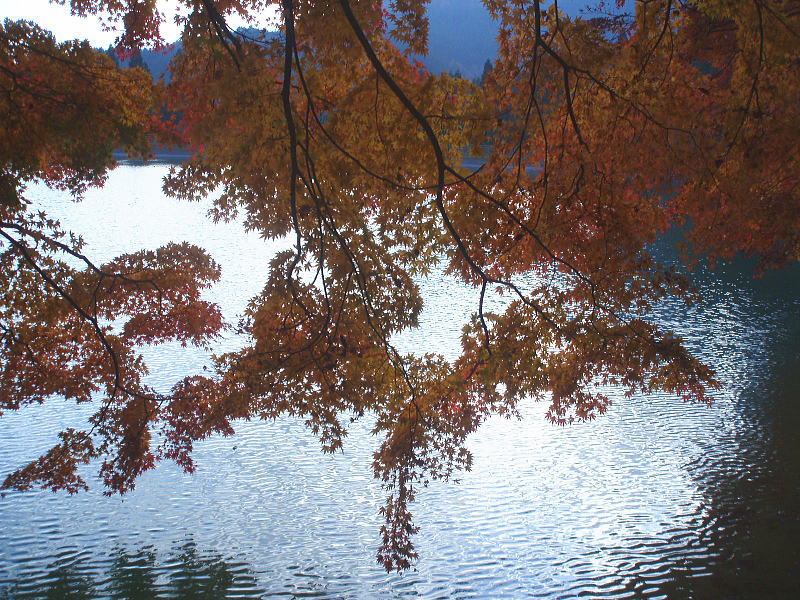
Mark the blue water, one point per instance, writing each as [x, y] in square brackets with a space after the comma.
[657, 499]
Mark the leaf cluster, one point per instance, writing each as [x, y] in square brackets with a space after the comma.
[597, 137]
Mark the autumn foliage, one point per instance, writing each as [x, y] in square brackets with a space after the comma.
[598, 136]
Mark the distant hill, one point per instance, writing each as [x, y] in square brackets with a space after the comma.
[157, 60]
[462, 37]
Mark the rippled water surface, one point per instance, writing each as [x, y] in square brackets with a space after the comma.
[657, 499]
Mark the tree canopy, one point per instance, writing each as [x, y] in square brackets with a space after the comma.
[596, 136]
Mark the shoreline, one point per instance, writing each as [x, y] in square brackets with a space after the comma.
[163, 155]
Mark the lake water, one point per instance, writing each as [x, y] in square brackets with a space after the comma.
[657, 499]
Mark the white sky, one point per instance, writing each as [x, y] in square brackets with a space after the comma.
[65, 26]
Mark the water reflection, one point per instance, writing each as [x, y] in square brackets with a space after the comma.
[751, 478]
[657, 499]
[133, 576]
[58, 582]
[184, 573]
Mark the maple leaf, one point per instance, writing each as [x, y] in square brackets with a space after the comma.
[597, 136]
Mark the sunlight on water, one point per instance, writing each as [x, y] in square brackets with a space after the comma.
[657, 499]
